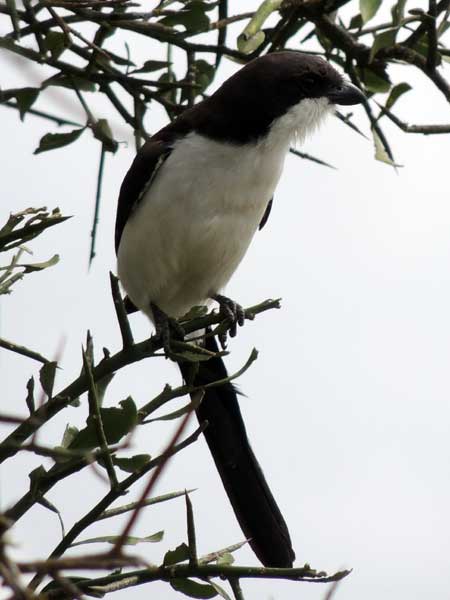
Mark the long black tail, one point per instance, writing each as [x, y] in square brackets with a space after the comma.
[242, 477]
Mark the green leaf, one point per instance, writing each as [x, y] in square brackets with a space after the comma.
[35, 477]
[397, 12]
[225, 559]
[56, 43]
[386, 38]
[71, 82]
[381, 152]
[191, 588]
[181, 411]
[152, 65]
[51, 141]
[133, 464]
[129, 540]
[170, 94]
[31, 267]
[120, 60]
[443, 27]
[173, 557]
[421, 46]
[113, 512]
[191, 352]
[219, 589]
[69, 435]
[25, 99]
[117, 422]
[192, 17]
[190, 356]
[397, 91]
[374, 82]
[47, 377]
[30, 395]
[216, 556]
[247, 45]
[102, 131]
[49, 506]
[89, 352]
[356, 22]
[102, 385]
[368, 9]
[205, 74]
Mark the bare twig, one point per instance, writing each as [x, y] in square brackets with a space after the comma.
[236, 587]
[432, 57]
[192, 541]
[65, 28]
[122, 319]
[42, 114]
[94, 562]
[23, 351]
[94, 413]
[98, 195]
[314, 159]
[410, 128]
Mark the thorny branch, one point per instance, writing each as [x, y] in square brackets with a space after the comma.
[107, 366]
[163, 573]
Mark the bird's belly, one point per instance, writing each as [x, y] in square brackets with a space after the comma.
[188, 235]
[183, 262]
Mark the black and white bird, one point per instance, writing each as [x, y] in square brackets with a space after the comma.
[189, 207]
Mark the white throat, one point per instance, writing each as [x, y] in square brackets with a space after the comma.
[300, 120]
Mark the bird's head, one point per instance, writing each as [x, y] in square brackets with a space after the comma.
[290, 90]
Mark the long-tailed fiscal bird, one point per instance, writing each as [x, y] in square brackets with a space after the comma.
[188, 209]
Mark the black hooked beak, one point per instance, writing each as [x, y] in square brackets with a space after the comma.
[345, 93]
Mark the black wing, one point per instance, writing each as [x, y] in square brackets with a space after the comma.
[138, 179]
[266, 214]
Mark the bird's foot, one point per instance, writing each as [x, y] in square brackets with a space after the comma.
[167, 329]
[233, 312]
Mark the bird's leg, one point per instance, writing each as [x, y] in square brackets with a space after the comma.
[166, 328]
[233, 312]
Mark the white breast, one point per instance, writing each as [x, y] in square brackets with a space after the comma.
[194, 224]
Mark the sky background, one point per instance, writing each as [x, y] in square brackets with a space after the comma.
[347, 406]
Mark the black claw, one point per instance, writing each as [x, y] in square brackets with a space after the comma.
[233, 312]
[223, 340]
[166, 328]
[240, 312]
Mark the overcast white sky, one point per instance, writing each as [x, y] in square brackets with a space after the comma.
[347, 406]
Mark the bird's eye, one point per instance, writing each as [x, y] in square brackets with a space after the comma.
[309, 83]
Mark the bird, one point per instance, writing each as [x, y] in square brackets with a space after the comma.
[195, 195]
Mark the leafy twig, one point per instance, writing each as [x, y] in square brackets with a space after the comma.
[106, 367]
[110, 497]
[168, 452]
